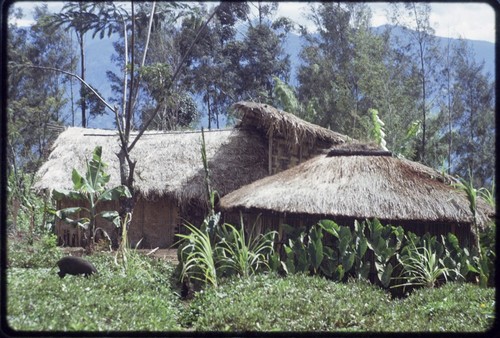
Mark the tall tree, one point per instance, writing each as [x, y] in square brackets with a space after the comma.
[80, 17]
[333, 76]
[261, 55]
[473, 110]
[422, 45]
[173, 107]
[212, 67]
[36, 98]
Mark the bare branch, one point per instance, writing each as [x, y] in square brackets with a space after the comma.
[75, 76]
[176, 73]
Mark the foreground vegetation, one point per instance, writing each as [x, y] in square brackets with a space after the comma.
[117, 299]
[306, 303]
[144, 295]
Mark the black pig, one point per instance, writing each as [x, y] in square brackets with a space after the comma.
[75, 266]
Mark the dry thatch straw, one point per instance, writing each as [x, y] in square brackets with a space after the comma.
[168, 163]
[359, 187]
[279, 123]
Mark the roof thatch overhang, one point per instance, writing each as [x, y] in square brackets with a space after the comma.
[282, 124]
[168, 163]
[358, 186]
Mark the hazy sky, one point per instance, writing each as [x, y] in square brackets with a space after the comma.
[475, 21]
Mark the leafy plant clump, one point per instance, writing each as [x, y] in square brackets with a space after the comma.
[116, 299]
[32, 251]
[458, 307]
[91, 189]
[209, 253]
[267, 302]
[310, 303]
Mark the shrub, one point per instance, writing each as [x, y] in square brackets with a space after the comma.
[294, 303]
[452, 307]
[197, 256]
[116, 299]
[243, 254]
[421, 266]
[32, 251]
[210, 252]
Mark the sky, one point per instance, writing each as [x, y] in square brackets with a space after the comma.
[475, 21]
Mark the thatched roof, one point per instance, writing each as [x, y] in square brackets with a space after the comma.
[357, 187]
[168, 163]
[283, 124]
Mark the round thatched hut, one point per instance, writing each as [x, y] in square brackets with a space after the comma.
[355, 182]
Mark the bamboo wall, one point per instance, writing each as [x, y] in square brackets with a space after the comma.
[153, 220]
[284, 155]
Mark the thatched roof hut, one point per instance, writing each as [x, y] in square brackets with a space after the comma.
[290, 140]
[169, 176]
[168, 163]
[282, 124]
[354, 181]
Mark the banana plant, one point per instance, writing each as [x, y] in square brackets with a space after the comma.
[91, 189]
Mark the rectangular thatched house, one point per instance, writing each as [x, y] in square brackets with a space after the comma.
[169, 172]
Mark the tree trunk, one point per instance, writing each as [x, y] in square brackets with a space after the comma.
[82, 75]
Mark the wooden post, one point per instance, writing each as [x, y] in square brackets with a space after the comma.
[270, 169]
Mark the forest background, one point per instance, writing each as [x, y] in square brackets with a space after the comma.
[435, 98]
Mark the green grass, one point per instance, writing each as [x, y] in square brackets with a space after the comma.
[143, 298]
[304, 303]
[115, 300]
[452, 307]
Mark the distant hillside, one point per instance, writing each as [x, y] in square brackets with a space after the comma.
[484, 50]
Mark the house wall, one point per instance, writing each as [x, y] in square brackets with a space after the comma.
[267, 221]
[154, 221]
[284, 155]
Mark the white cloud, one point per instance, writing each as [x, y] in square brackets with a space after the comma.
[474, 21]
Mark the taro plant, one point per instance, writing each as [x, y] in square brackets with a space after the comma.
[304, 251]
[455, 258]
[341, 255]
[360, 246]
[383, 248]
[91, 189]
[385, 242]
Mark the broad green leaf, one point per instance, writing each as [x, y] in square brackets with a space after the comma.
[348, 261]
[109, 215]
[330, 226]
[71, 194]
[345, 238]
[115, 193]
[385, 277]
[64, 213]
[77, 179]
